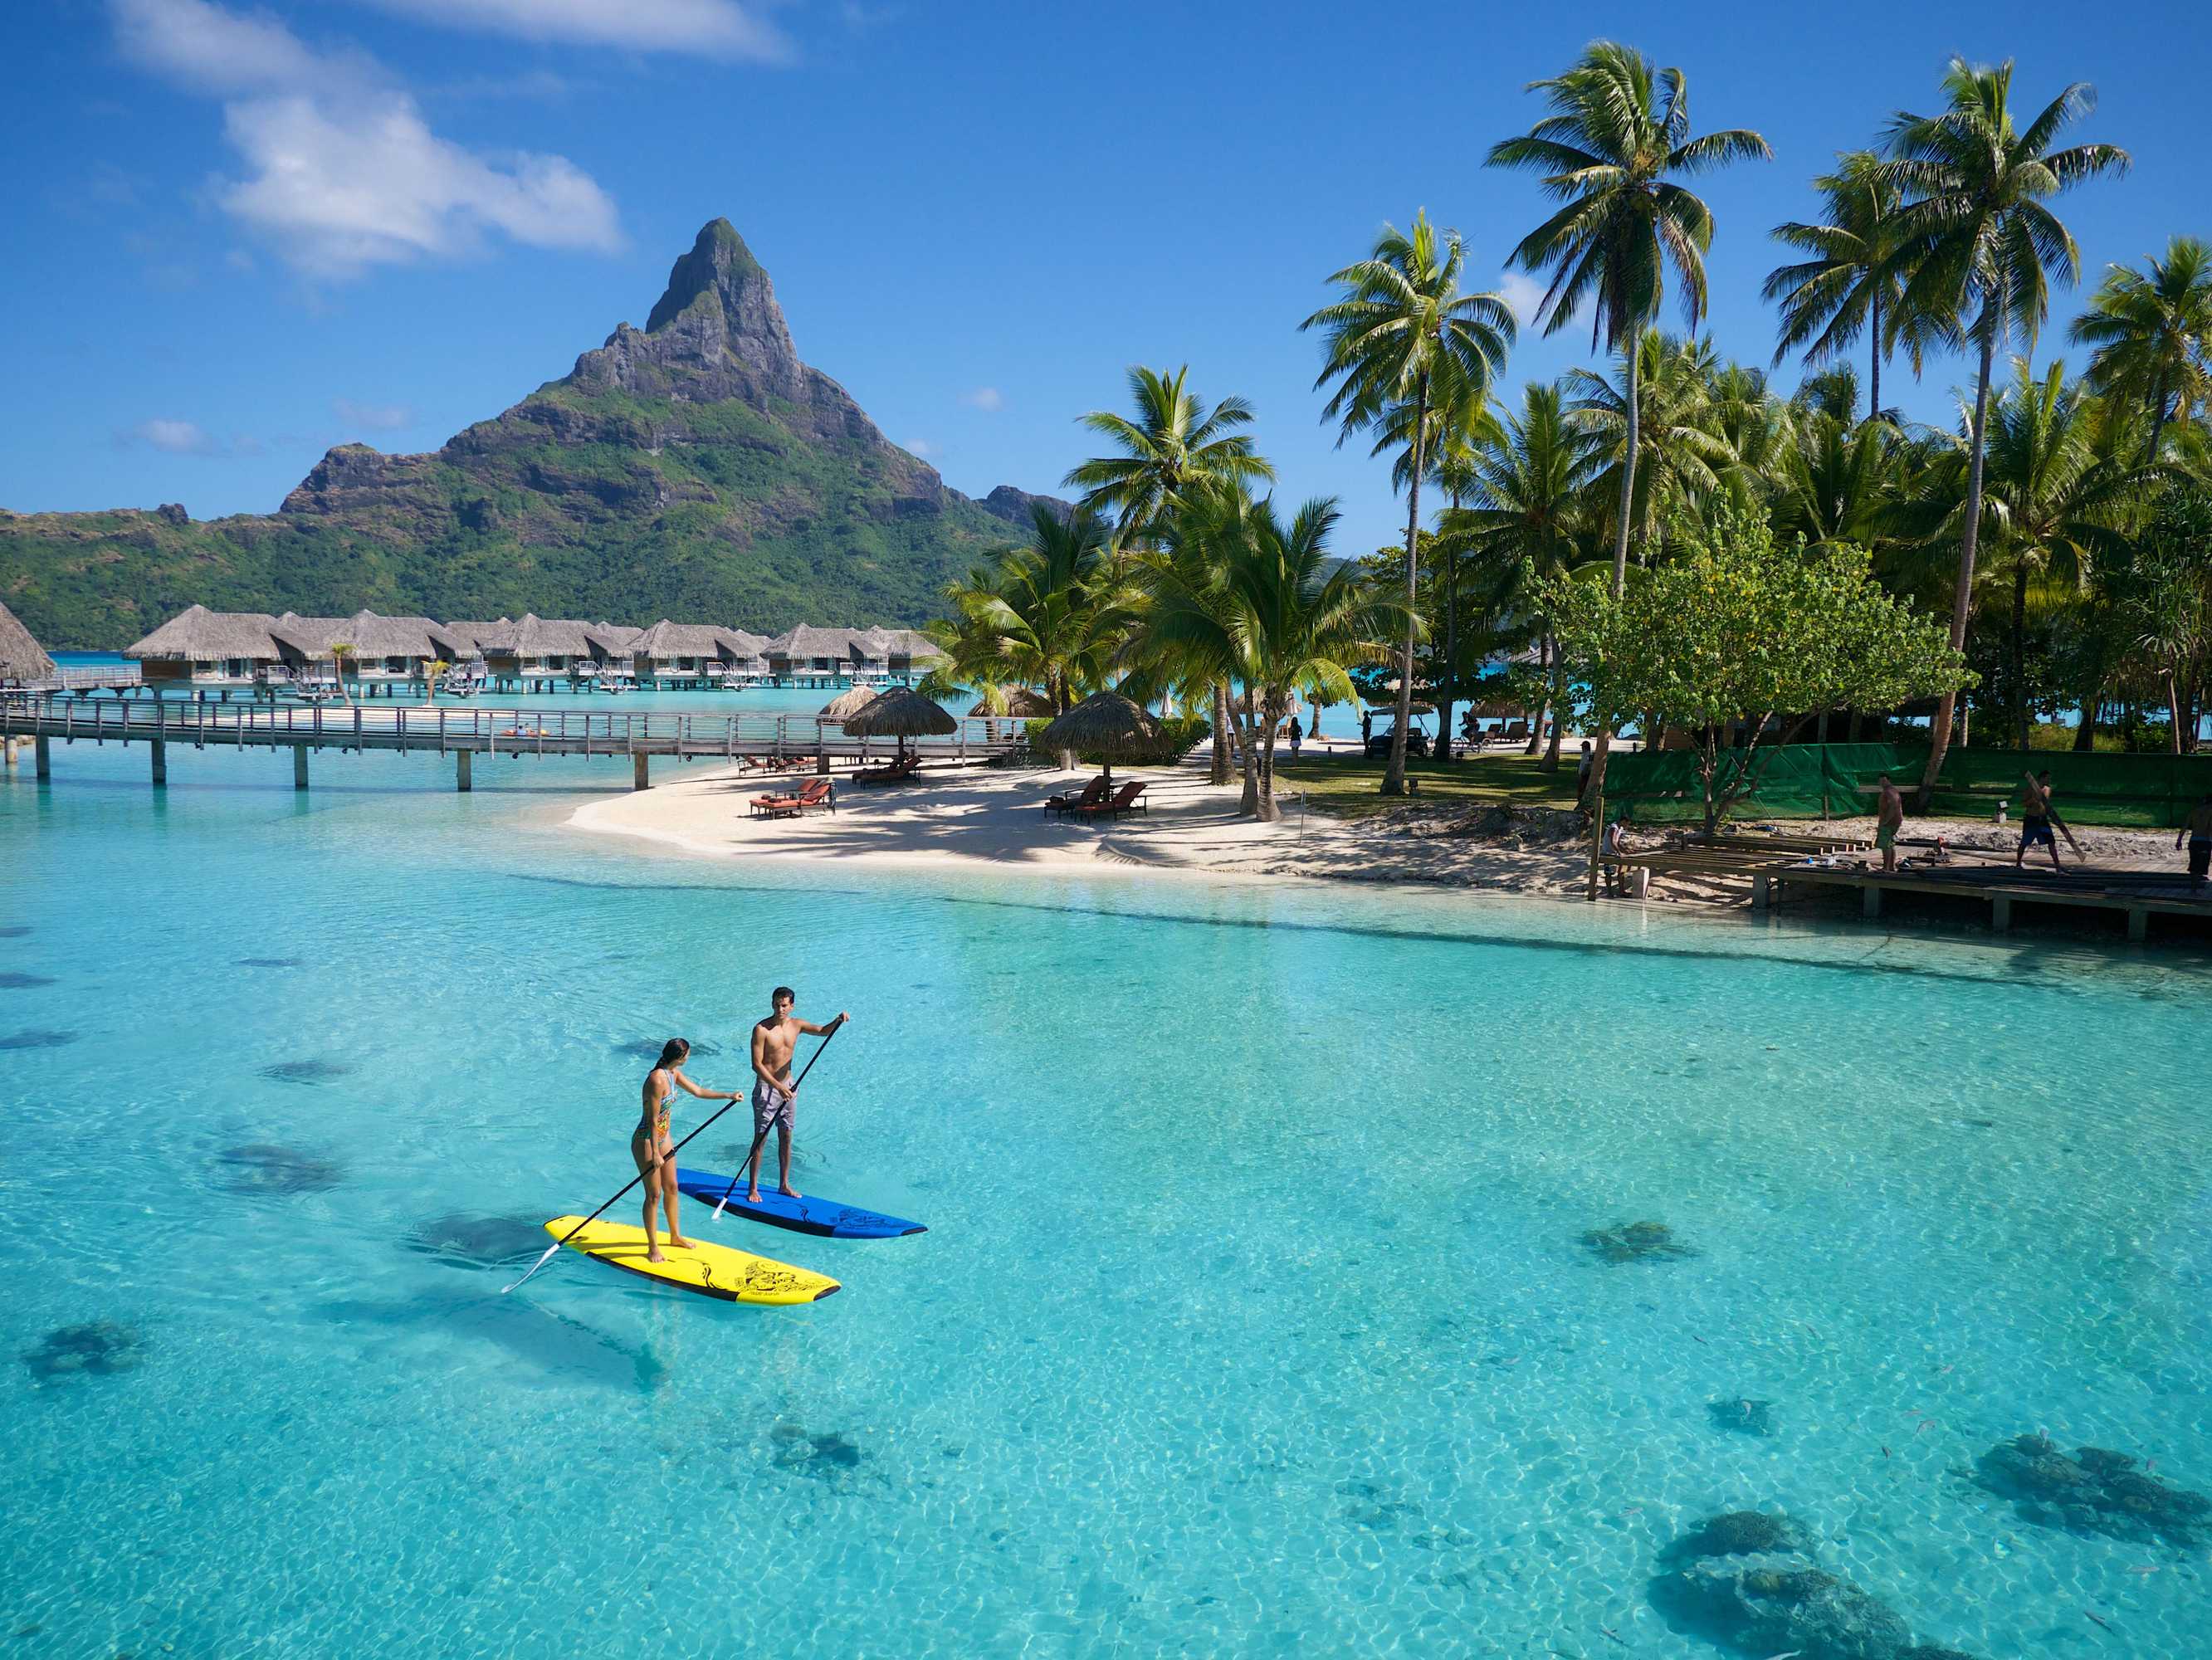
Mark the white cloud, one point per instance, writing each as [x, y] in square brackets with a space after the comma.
[376, 417]
[984, 398]
[170, 437]
[922, 448]
[1523, 294]
[343, 172]
[710, 28]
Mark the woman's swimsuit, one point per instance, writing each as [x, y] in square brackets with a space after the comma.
[659, 1131]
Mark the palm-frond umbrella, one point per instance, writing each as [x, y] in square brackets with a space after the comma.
[1020, 704]
[901, 712]
[1106, 722]
[847, 705]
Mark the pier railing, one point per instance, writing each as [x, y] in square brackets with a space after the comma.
[474, 730]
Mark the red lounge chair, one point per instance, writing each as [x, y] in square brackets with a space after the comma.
[1093, 793]
[776, 806]
[816, 792]
[1124, 801]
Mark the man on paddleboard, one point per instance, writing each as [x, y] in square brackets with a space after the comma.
[774, 1095]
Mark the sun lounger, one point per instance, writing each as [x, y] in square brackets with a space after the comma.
[1093, 793]
[893, 772]
[776, 806]
[817, 793]
[1123, 800]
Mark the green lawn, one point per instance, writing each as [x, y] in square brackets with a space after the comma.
[1351, 787]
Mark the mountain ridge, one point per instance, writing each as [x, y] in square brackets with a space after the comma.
[697, 468]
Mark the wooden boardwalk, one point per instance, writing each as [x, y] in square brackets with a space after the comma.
[467, 732]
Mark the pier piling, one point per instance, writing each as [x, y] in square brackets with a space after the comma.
[464, 770]
[43, 753]
[160, 746]
[638, 780]
[298, 766]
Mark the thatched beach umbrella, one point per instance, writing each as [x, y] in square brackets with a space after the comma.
[847, 705]
[1107, 722]
[901, 712]
[21, 658]
[1021, 704]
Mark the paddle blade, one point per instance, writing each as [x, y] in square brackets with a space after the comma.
[534, 1267]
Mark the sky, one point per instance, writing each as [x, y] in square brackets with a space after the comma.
[241, 234]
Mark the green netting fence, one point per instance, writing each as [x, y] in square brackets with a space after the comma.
[1837, 781]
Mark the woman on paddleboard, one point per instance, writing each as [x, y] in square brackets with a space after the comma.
[651, 1146]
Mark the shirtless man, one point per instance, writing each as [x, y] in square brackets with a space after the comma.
[774, 1095]
[2035, 816]
[2198, 827]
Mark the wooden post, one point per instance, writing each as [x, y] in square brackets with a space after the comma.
[161, 748]
[2138, 924]
[1762, 891]
[1870, 902]
[463, 770]
[2000, 913]
[298, 766]
[638, 780]
[42, 757]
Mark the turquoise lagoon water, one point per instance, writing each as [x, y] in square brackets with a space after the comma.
[1253, 1318]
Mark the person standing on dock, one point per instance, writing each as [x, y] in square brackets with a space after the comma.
[2198, 827]
[1888, 819]
[2035, 816]
[775, 1094]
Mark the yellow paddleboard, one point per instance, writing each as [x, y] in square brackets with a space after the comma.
[735, 1276]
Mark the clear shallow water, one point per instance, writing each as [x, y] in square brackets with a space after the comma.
[1253, 1317]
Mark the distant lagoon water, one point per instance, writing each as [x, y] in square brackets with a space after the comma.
[1256, 1316]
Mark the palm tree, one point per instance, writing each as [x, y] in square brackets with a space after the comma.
[1670, 426]
[1614, 150]
[1533, 475]
[1848, 288]
[1174, 444]
[1050, 614]
[2053, 501]
[1253, 599]
[1977, 248]
[1618, 129]
[2152, 334]
[341, 655]
[1404, 340]
[1456, 430]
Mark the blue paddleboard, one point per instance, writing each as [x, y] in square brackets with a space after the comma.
[824, 1218]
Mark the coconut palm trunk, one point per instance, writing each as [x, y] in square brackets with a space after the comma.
[1962, 602]
[1604, 745]
[1394, 774]
[1873, 361]
[2023, 715]
[1558, 706]
[1222, 744]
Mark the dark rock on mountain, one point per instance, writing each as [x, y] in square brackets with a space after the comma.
[697, 468]
[1018, 507]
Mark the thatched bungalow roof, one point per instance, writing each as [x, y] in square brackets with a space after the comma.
[666, 641]
[200, 635]
[743, 648]
[308, 637]
[911, 643]
[804, 641]
[901, 712]
[462, 640]
[1021, 704]
[539, 636]
[612, 639]
[847, 705]
[21, 658]
[377, 635]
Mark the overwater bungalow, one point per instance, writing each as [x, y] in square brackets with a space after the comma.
[744, 656]
[870, 652]
[208, 649]
[537, 647]
[677, 652]
[811, 653]
[909, 652]
[23, 660]
[461, 642]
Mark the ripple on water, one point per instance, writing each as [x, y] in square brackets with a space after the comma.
[308, 1071]
[272, 962]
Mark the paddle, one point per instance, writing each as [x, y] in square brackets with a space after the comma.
[761, 1134]
[627, 1186]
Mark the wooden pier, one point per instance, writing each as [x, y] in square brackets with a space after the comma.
[466, 733]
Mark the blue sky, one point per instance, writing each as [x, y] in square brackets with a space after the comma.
[243, 235]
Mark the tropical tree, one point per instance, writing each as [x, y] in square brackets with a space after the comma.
[1051, 614]
[1240, 595]
[1455, 429]
[2151, 332]
[1404, 340]
[1174, 444]
[1670, 428]
[1529, 519]
[2052, 503]
[1977, 246]
[1613, 151]
[1848, 286]
[342, 656]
